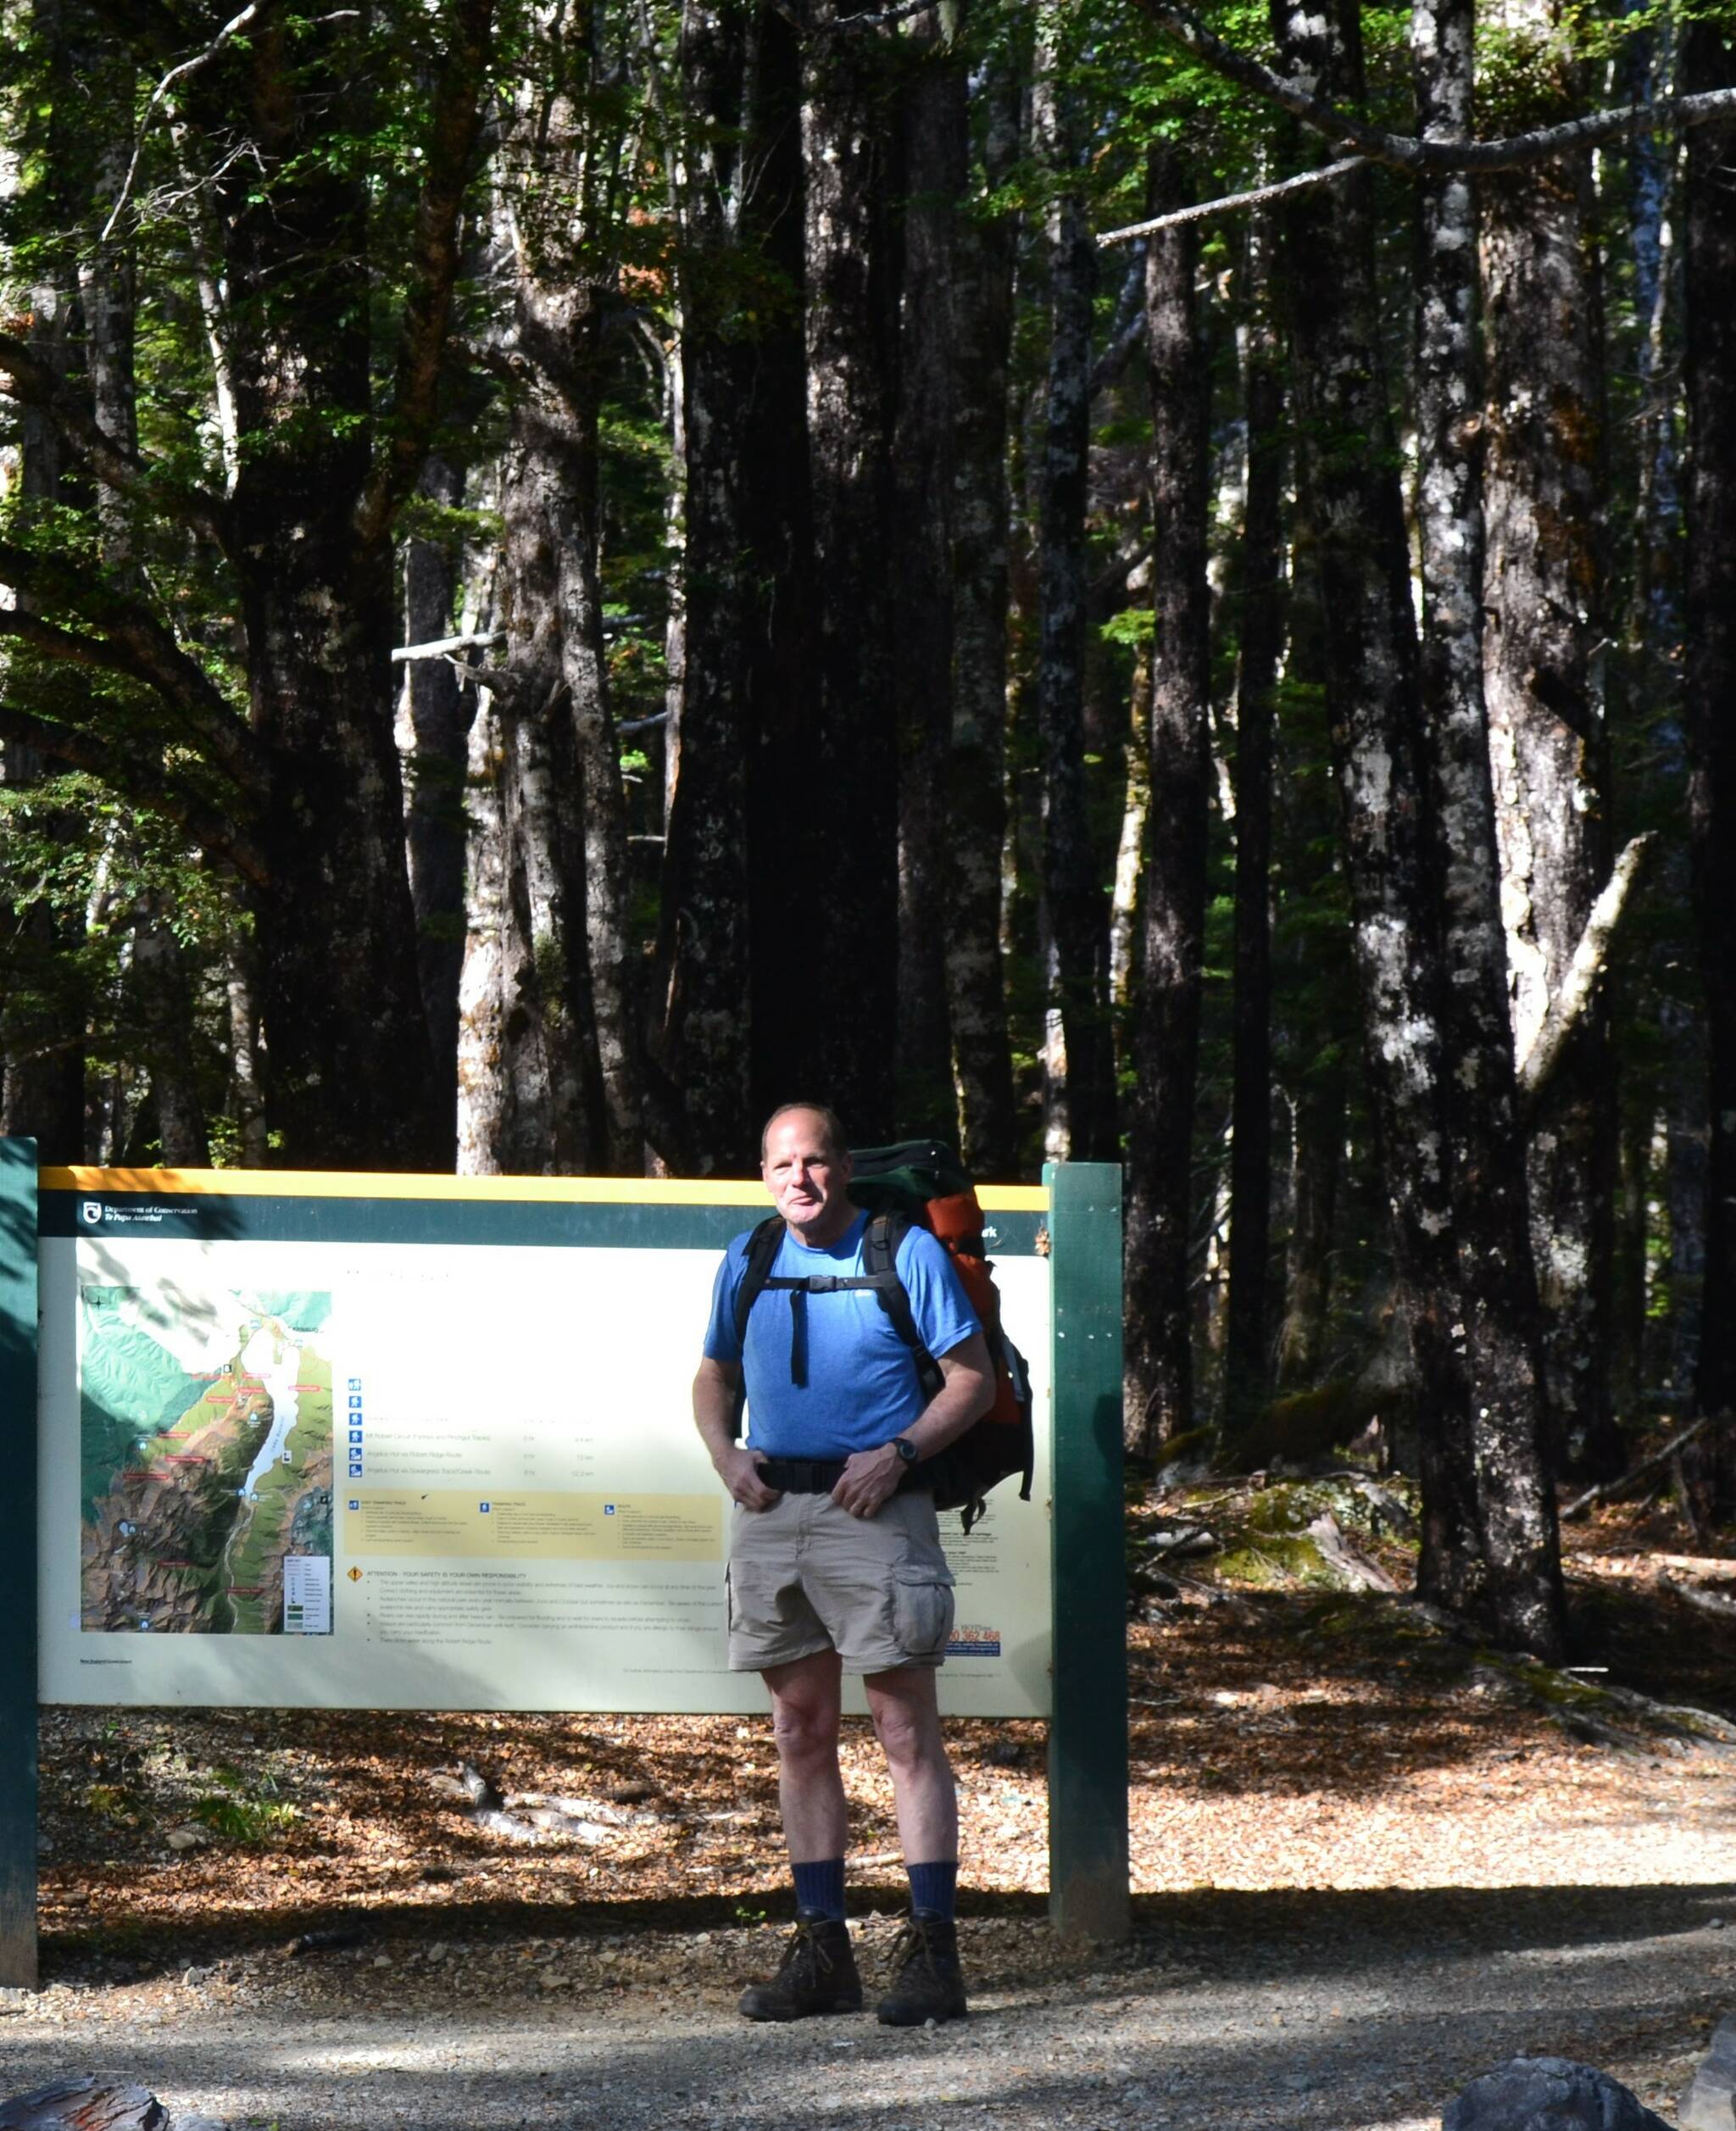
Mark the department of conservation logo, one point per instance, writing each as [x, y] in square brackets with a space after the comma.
[91, 1213]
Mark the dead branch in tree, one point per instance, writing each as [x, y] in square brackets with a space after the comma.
[1579, 986]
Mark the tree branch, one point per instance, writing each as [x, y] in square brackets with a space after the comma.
[1257, 198]
[1577, 986]
[25, 377]
[83, 747]
[454, 129]
[1406, 151]
[137, 644]
[1622, 1481]
[233, 28]
[441, 647]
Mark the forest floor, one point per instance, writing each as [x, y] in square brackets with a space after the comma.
[1370, 1861]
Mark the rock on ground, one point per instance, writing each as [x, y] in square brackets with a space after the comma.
[1548, 2094]
[1710, 2103]
[85, 2103]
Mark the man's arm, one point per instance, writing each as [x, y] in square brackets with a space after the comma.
[714, 1390]
[965, 1394]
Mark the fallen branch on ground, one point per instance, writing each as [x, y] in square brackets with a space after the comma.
[1606, 1490]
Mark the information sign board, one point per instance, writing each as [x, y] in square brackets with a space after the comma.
[341, 1441]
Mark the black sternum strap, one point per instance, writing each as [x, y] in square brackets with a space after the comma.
[829, 1283]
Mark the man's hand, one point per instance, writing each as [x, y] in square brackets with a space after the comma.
[739, 1471]
[714, 1390]
[868, 1479]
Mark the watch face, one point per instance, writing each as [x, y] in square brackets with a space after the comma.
[906, 1448]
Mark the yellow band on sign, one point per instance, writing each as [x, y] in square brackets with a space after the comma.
[451, 1523]
[607, 1191]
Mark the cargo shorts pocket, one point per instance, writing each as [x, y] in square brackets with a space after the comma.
[753, 1602]
[923, 1609]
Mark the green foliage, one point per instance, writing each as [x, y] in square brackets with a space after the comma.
[244, 1810]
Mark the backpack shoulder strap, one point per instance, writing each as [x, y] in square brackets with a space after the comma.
[763, 1246]
[880, 1239]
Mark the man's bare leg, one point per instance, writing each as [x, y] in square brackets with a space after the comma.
[819, 1970]
[907, 1720]
[804, 1722]
[927, 1982]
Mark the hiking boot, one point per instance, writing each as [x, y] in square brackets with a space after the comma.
[927, 1982]
[817, 1974]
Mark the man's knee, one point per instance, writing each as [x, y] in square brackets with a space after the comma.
[906, 1720]
[804, 1731]
[804, 1711]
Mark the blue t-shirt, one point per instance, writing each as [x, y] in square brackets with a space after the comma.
[862, 1386]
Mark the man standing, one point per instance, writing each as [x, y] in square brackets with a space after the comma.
[835, 1561]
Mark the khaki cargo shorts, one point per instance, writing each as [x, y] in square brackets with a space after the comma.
[806, 1576]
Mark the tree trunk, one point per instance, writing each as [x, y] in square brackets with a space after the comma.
[705, 1044]
[437, 711]
[825, 996]
[936, 145]
[1516, 1504]
[1710, 376]
[1078, 912]
[350, 1069]
[1159, 1376]
[982, 321]
[163, 1003]
[1247, 1342]
[1370, 663]
[1542, 593]
[1127, 895]
[1488, 1536]
[247, 1092]
[41, 1045]
[554, 613]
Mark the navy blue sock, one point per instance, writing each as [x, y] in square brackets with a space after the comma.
[934, 1889]
[819, 1888]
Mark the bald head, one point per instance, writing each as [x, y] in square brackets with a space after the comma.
[830, 1127]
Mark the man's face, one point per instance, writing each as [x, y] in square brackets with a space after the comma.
[808, 1177]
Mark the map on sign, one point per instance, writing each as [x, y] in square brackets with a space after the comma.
[205, 1446]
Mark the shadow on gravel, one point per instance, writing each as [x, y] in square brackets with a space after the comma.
[1305, 2010]
[1304, 1932]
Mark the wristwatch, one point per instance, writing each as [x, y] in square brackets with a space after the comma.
[906, 1449]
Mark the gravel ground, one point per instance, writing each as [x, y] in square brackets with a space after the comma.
[1233, 2011]
[1370, 1861]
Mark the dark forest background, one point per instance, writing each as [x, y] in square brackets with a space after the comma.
[572, 572]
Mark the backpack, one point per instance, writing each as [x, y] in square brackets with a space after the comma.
[922, 1184]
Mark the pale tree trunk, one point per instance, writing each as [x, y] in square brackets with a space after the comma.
[246, 1091]
[1710, 375]
[1260, 585]
[1542, 591]
[1369, 654]
[486, 1084]
[1159, 1373]
[981, 318]
[1130, 853]
[1488, 1540]
[1491, 1221]
[437, 712]
[1078, 912]
[553, 617]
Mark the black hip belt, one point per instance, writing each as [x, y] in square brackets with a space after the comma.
[817, 1475]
